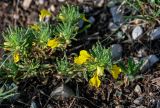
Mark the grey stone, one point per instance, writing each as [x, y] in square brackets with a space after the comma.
[33, 105]
[116, 50]
[91, 19]
[155, 34]
[138, 89]
[116, 14]
[137, 32]
[149, 62]
[63, 90]
[158, 104]
[61, 0]
[138, 101]
[141, 106]
[113, 27]
[26, 4]
[98, 3]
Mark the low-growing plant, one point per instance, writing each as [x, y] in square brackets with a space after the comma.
[64, 67]
[102, 55]
[132, 67]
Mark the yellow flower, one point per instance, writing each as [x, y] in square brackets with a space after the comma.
[61, 17]
[16, 56]
[53, 43]
[100, 71]
[35, 27]
[44, 13]
[82, 58]
[94, 81]
[115, 71]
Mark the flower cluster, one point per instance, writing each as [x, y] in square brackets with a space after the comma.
[96, 59]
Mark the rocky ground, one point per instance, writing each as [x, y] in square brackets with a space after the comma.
[115, 24]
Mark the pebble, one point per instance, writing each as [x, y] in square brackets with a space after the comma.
[149, 62]
[119, 106]
[63, 90]
[52, 8]
[113, 27]
[116, 50]
[91, 19]
[80, 1]
[61, 0]
[141, 106]
[155, 34]
[116, 14]
[33, 105]
[81, 23]
[98, 3]
[158, 104]
[41, 2]
[137, 32]
[138, 101]
[26, 4]
[138, 90]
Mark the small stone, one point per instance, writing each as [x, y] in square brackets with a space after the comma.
[61, 0]
[98, 3]
[158, 104]
[138, 90]
[138, 101]
[91, 19]
[141, 106]
[137, 32]
[63, 90]
[16, 16]
[33, 105]
[41, 2]
[116, 50]
[49, 106]
[26, 4]
[80, 1]
[52, 8]
[113, 27]
[81, 23]
[119, 106]
[149, 62]
[116, 14]
[155, 34]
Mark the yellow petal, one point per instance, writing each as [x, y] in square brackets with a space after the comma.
[94, 81]
[78, 60]
[44, 13]
[82, 58]
[85, 54]
[100, 70]
[53, 43]
[115, 71]
[16, 57]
